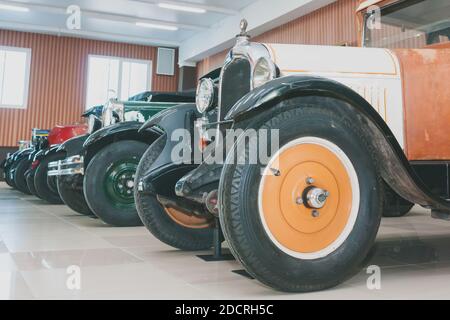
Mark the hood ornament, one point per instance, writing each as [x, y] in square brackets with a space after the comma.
[243, 26]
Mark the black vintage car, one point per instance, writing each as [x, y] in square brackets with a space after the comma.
[97, 174]
[17, 163]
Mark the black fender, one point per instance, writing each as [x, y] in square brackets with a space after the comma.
[163, 168]
[391, 161]
[128, 130]
[73, 146]
[41, 154]
[23, 154]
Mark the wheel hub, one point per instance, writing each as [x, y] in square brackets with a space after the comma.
[315, 198]
[119, 182]
[307, 208]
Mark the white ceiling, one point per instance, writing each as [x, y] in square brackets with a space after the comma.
[197, 34]
[105, 19]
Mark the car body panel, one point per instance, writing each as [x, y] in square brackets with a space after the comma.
[426, 94]
[371, 72]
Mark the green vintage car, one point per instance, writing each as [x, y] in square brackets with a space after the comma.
[97, 175]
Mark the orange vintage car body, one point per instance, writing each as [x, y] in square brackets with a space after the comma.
[425, 75]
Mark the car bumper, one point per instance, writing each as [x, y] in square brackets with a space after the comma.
[69, 166]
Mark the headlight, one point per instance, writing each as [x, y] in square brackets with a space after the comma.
[263, 72]
[205, 95]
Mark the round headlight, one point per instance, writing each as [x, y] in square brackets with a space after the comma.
[205, 95]
[263, 72]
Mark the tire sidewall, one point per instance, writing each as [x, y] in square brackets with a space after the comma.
[239, 192]
[96, 197]
[40, 180]
[156, 219]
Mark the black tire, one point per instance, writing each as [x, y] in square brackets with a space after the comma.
[8, 180]
[29, 177]
[71, 193]
[239, 191]
[394, 205]
[19, 175]
[156, 219]
[104, 206]
[45, 190]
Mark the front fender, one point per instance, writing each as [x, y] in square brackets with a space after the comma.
[180, 116]
[391, 160]
[119, 130]
[74, 146]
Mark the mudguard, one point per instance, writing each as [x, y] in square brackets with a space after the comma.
[391, 160]
[22, 153]
[45, 152]
[163, 169]
[128, 130]
[74, 146]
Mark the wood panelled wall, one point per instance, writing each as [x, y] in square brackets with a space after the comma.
[58, 80]
[334, 24]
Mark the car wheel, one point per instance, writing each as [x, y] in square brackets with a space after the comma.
[29, 177]
[109, 183]
[8, 180]
[46, 188]
[307, 220]
[71, 192]
[19, 175]
[177, 229]
[394, 205]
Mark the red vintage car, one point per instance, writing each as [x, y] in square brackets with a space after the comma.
[35, 177]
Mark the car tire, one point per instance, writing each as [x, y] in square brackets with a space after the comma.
[29, 177]
[8, 180]
[266, 219]
[394, 205]
[20, 182]
[44, 189]
[72, 195]
[175, 229]
[109, 183]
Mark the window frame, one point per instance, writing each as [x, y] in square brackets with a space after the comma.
[26, 88]
[149, 63]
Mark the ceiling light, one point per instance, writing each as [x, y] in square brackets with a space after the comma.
[156, 26]
[13, 8]
[180, 8]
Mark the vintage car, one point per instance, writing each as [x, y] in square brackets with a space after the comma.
[97, 176]
[354, 126]
[36, 175]
[18, 162]
[6, 164]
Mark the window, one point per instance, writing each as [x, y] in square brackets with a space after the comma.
[410, 24]
[110, 77]
[14, 77]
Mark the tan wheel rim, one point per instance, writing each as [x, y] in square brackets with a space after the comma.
[185, 220]
[298, 226]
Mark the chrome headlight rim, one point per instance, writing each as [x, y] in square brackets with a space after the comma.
[205, 94]
[267, 72]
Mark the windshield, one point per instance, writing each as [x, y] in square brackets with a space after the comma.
[408, 24]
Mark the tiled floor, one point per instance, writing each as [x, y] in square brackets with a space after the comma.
[39, 242]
